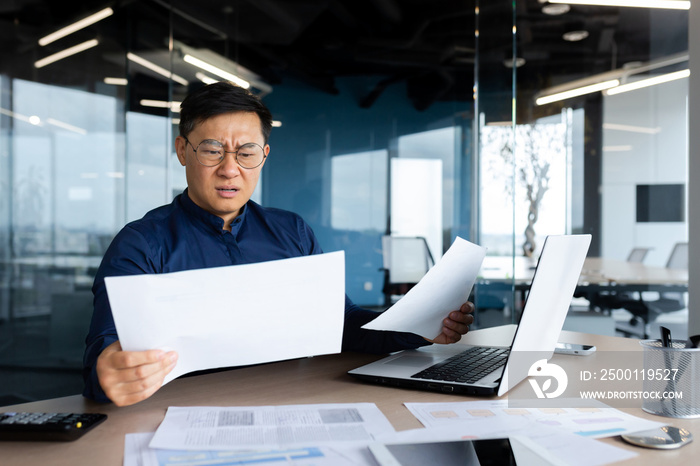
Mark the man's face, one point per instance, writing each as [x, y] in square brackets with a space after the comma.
[224, 189]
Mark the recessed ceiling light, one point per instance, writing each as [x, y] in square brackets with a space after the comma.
[555, 9]
[575, 36]
[519, 61]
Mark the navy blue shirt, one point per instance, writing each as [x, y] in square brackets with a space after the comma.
[183, 236]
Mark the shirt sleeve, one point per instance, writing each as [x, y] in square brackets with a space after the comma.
[356, 338]
[129, 254]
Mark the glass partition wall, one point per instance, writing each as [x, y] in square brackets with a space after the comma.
[373, 137]
[601, 123]
[390, 121]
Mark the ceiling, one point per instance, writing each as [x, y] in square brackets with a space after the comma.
[427, 45]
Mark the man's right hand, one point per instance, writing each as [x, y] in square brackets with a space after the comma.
[128, 377]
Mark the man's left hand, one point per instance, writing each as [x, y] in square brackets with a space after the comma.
[456, 324]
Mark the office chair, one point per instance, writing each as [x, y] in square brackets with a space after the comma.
[605, 301]
[646, 311]
[637, 255]
[405, 260]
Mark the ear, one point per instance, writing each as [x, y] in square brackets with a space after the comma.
[266, 151]
[180, 148]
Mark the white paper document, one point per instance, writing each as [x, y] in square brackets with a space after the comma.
[266, 427]
[481, 418]
[444, 288]
[235, 315]
[138, 453]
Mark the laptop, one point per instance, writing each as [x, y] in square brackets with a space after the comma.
[487, 370]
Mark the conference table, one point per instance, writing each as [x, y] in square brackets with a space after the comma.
[500, 275]
[596, 271]
[320, 379]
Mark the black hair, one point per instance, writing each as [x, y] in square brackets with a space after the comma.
[219, 98]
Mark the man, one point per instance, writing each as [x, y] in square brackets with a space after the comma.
[222, 144]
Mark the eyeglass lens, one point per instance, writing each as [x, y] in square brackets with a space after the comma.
[211, 152]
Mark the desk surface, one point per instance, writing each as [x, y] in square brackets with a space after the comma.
[321, 379]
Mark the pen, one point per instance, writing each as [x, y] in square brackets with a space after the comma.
[666, 341]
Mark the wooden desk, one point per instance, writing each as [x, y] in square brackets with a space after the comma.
[320, 379]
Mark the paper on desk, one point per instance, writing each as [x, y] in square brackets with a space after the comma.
[480, 418]
[443, 289]
[138, 453]
[267, 427]
[235, 315]
[566, 433]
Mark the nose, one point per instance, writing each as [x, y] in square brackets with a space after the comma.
[228, 167]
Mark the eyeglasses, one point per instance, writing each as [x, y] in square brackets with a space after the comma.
[210, 153]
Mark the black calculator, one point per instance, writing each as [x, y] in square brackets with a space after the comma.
[47, 426]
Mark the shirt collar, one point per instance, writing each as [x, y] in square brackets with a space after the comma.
[210, 220]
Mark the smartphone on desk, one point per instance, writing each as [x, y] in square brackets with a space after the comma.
[573, 348]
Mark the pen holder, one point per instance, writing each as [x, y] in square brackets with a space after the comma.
[671, 383]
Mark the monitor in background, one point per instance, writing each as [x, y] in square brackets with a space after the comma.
[660, 203]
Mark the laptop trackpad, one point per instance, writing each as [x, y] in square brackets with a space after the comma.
[411, 361]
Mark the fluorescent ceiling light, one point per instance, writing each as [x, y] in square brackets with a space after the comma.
[623, 148]
[667, 4]
[66, 126]
[631, 128]
[499, 123]
[205, 79]
[174, 106]
[217, 71]
[648, 82]
[155, 68]
[547, 99]
[78, 25]
[65, 53]
[116, 81]
[35, 120]
[276, 124]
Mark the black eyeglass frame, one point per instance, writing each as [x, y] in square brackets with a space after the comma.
[226, 152]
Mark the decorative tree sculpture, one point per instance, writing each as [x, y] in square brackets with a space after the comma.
[535, 147]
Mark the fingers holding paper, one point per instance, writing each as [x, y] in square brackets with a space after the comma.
[456, 324]
[128, 377]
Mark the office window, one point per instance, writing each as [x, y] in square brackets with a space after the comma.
[358, 191]
[534, 168]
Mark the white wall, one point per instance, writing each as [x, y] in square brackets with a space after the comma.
[645, 141]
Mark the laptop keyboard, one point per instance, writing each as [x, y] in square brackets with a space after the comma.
[467, 366]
